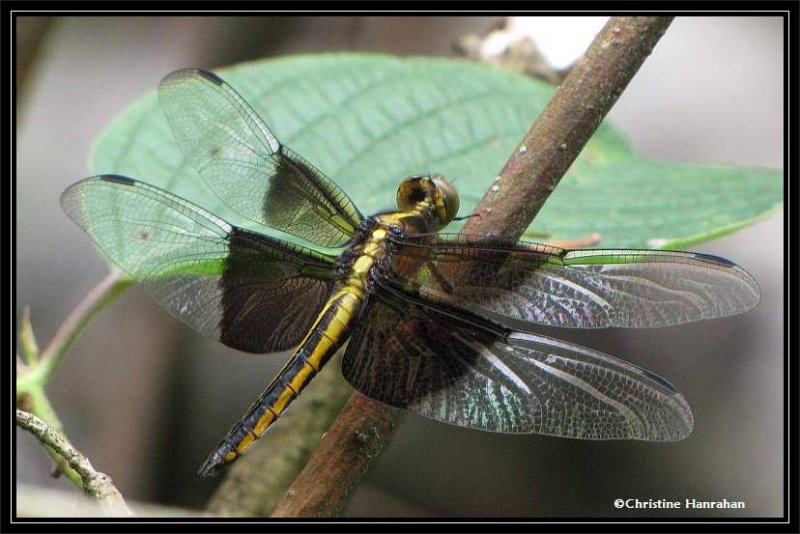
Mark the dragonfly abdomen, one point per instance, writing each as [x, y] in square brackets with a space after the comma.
[330, 331]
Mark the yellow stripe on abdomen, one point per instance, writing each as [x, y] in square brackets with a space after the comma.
[330, 331]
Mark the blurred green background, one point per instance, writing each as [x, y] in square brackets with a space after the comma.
[146, 399]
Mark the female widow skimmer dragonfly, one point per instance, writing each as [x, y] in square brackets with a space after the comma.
[437, 324]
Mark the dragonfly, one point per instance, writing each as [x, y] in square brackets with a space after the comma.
[441, 325]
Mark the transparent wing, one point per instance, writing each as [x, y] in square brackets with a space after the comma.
[463, 371]
[246, 166]
[547, 285]
[249, 291]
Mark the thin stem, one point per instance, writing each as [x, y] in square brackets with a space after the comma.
[530, 175]
[95, 484]
[102, 294]
[30, 349]
[32, 379]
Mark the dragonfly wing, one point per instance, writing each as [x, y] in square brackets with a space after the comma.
[551, 286]
[462, 370]
[249, 291]
[247, 167]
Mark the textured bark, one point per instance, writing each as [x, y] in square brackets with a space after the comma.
[357, 437]
[95, 483]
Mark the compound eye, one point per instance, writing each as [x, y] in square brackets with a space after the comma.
[449, 197]
[413, 190]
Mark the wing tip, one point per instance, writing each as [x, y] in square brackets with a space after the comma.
[684, 420]
[747, 279]
[208, 75]
[718, 260]
[117, 179]
[191, 72]
[660, 380]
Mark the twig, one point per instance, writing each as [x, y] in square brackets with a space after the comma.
[103, 293]
[30, 349]
[526, 181]
[95, 484]
[32, 378]
[36, 402]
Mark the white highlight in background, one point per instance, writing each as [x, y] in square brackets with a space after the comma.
[561, 40]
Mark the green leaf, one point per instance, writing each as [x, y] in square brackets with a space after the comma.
[370, 120]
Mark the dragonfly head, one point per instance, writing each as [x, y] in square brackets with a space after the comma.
[435, 190]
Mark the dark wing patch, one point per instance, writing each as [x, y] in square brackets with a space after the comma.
[462, 370]
[251, 292]
[247, 167]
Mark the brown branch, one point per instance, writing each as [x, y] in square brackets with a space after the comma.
[358, 436]
[530, 175]
[95, 484]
